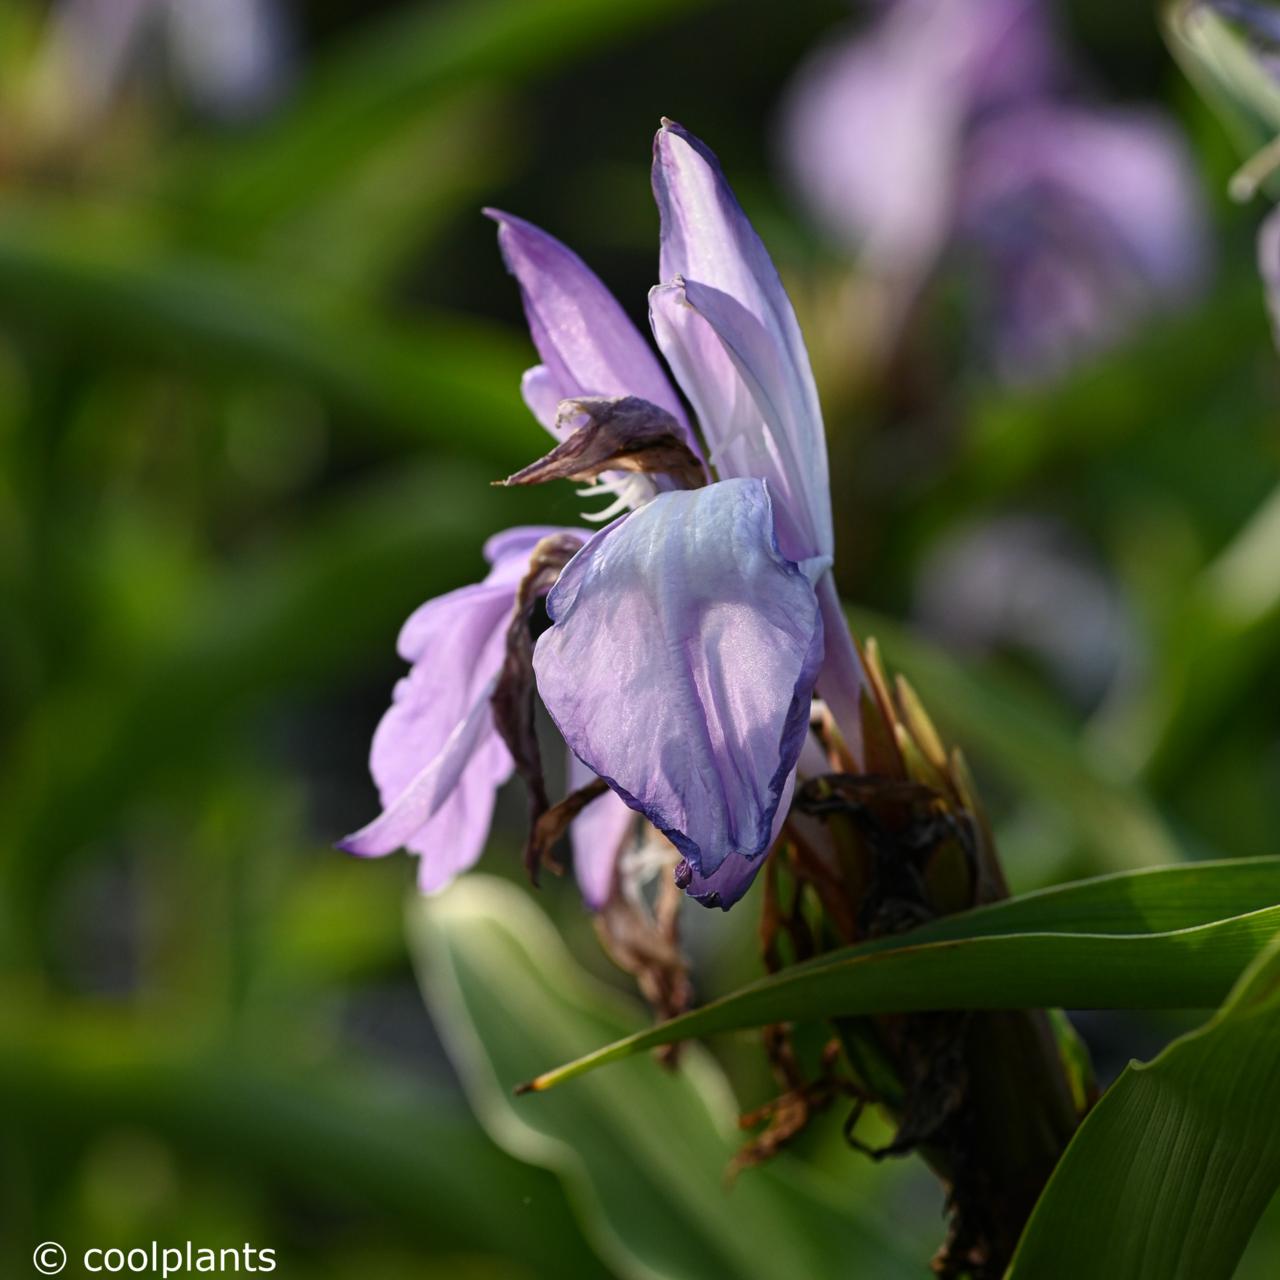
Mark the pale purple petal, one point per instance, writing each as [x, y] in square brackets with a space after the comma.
[871, 133]
[731, 371]
[725, 885]
[436, 757]
[709, 245]
[464, 620]
[598, 835]
[454, 838]
[403, 819]
[508, 551]
[681, 664]
[840, 679]
[1127, 170]
[588, 345]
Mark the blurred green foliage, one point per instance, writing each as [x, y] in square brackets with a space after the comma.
[254, 379]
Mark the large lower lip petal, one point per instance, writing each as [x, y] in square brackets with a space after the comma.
[681, 666]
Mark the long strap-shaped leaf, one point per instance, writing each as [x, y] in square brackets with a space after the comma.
[1169, 937]
[1171, 1170]
[642, 1152]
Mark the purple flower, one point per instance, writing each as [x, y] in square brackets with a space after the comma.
[1083, 219]
[944, 125]
[873, 127]
[232, 57]
[689, 635]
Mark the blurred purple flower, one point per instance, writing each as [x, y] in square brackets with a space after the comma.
[944, 124]
[231, 57]
[688, 636]
[1084, 219]
[874, 127]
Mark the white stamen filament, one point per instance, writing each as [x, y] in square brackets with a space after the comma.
[631, 490]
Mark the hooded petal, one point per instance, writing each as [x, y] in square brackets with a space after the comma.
[681, 664]
[710, 251]
[588, 345]
[436, 756]
[734, 876]
[725, 886]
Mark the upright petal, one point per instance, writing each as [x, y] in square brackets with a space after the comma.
[710, 249]
[731, 370]
[588, 345]
[681, 664]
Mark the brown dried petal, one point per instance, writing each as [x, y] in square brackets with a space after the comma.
[513, 697]
[647, 946]
[629, 434]
[551, 825]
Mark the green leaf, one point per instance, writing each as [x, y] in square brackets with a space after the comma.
[644, 1150]
[1170, 1172]
[1173, 938]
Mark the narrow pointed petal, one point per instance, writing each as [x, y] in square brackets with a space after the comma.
[681, 663]
[598, 834]
[588, 344]
[710, 247]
